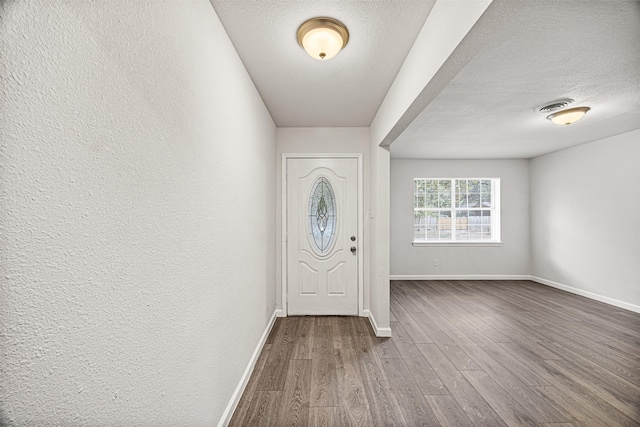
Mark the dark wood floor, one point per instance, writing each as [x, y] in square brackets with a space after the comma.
[463, 353]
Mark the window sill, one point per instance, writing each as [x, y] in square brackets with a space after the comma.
[459, 243]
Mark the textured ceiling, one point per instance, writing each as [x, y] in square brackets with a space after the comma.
[519, 56]
[585, 50]
[301, 91]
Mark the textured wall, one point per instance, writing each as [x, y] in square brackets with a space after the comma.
[512, 258]
[585, 206]
[136, 214]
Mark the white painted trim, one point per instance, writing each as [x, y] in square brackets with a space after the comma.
[361, 234]
[237, 394]
[587, 294]
[360, 214]
[461, 277]
[283, 237]
[458, 243]
[380, 332]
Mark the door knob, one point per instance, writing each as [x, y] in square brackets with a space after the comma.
[353, 249]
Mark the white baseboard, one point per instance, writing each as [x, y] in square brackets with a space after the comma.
[587, 294]
[237, 394]
[380, 332]
[462, 277]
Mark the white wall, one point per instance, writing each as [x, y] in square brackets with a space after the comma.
[510, 259]
[380, 246]
[585, 221]
[376, 193]
[137, 213]
[324, 140]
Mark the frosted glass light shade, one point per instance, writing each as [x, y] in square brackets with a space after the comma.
[322, 43]
[323, 38]
[566, 117]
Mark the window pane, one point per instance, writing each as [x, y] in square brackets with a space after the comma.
[419, 226]
[444, 220]
[432, 200]
[445, 225]
[486, 217]
[486, 200]
[474, 186]
[462, 225]
[431, 185]
[445, 199]
[474, 200]
[461, 193]
[486, 232]
[444, 186]
[431, 225]
[461, 186]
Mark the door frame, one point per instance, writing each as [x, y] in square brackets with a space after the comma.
[360, 221]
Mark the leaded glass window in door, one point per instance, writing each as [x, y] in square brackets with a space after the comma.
[322, 215]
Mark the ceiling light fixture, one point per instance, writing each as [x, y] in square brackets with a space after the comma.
[566, 117]
[323, 37]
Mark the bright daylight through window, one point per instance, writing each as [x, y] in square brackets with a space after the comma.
[460, 210]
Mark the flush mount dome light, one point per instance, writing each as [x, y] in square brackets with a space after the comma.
[566, 117]
[323, 37]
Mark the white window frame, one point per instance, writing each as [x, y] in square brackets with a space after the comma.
[495, 216]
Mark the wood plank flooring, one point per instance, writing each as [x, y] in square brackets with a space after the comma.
[463, 353]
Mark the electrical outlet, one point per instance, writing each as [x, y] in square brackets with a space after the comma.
[435, 262]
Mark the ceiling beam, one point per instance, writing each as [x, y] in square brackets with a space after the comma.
[449, 39]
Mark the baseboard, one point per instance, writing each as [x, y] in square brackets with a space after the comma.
[380, 332]
[237, 394]
[462, 277]
[587, 294]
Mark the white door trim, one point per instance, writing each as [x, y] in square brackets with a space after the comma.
[283, 248]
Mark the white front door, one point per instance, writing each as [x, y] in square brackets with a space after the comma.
[322, 230]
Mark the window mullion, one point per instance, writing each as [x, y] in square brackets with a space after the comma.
[493, 209]
[453, 210]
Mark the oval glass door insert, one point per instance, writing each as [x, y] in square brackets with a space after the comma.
[322, 215]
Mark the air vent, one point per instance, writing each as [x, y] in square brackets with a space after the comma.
[554, 106]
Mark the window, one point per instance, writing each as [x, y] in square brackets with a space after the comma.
[322, 215]
[463, 210]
